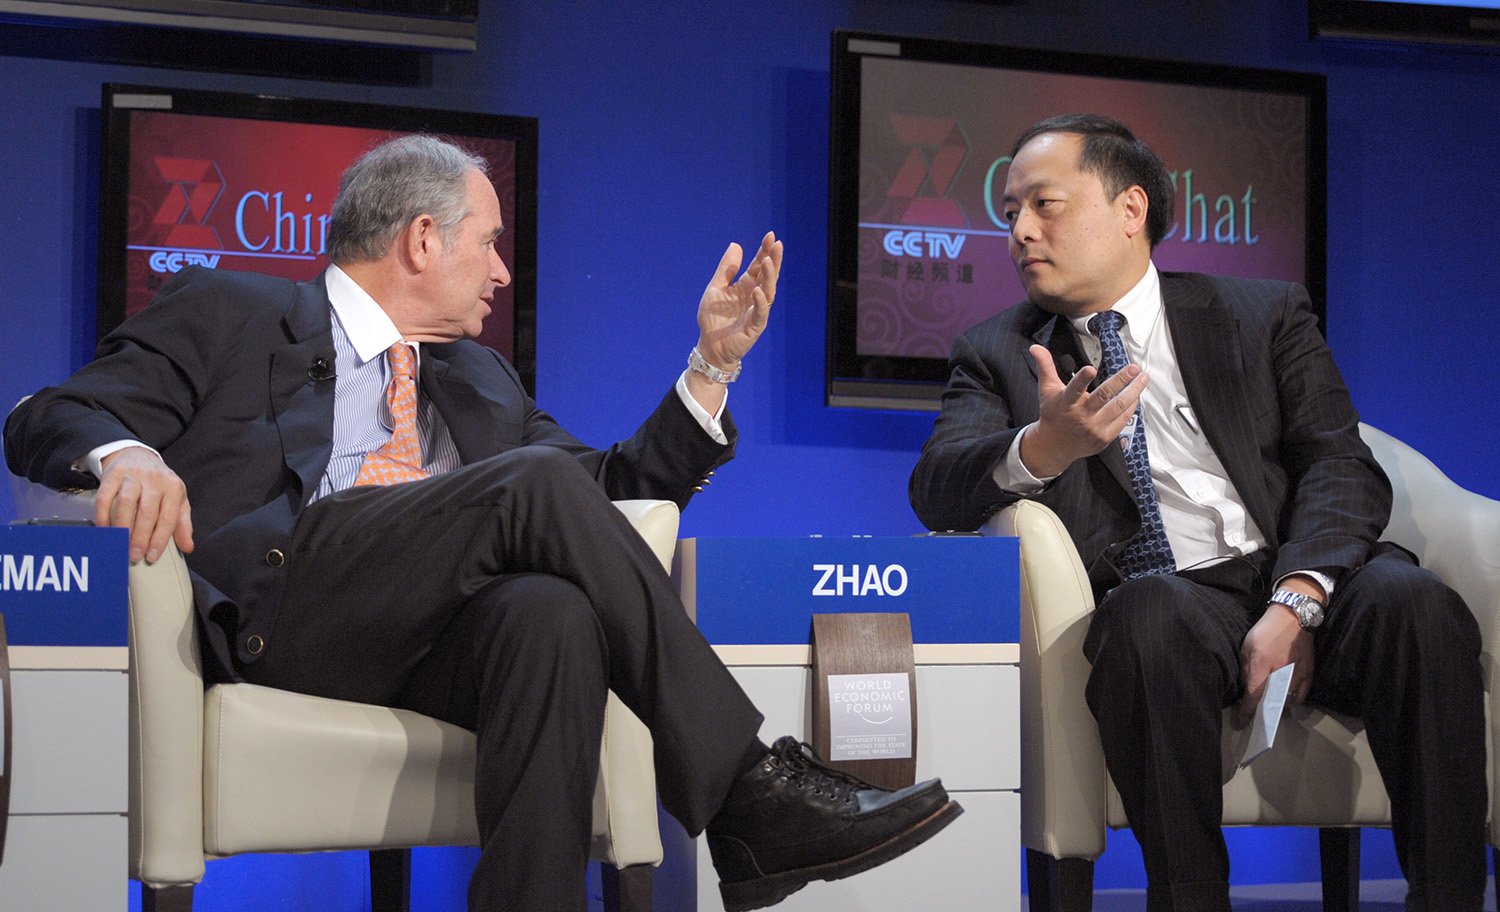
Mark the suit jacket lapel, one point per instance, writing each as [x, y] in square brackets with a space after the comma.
[1056, 335]
[302, 384]
[474, 421]
[1206, 338]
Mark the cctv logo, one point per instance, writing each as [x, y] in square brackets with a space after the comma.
[163, 262]
[910, 243]
[921, 188]
[194, 188]
[860, 579]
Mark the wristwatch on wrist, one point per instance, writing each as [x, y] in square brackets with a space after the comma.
[697, 365]
[1309, 611]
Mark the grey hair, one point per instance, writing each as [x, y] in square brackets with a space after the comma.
[392, 184]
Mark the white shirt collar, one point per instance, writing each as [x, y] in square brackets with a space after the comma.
[365, 322]
[1141, 307]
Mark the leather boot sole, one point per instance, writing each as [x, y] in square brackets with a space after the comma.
[767, 890]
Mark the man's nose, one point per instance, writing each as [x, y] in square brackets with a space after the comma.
[1023, 229]
[498, 273]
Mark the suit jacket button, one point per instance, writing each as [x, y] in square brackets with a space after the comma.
[275, 558]
[254, 645]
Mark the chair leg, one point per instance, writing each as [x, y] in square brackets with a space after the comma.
[390, 880]
[1059, 884]
[1338, 849]
[167, 899]
[626, 889]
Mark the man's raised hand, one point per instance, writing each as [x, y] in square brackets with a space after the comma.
[1075, 422]
[734, 311]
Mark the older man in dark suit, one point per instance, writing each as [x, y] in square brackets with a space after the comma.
[1227, 512]
[381, 513]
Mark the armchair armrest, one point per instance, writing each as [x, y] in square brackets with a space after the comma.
[166, 725]
[656, 521]
[1063, 779]
[625, 798]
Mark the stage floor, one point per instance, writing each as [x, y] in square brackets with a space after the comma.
[1374, 896]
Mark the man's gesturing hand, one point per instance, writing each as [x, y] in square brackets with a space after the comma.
[733, 311]
[1076, 423]
[140, 493]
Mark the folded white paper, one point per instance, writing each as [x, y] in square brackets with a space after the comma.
[1268, 714]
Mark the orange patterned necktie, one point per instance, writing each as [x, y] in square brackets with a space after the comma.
[400, 459]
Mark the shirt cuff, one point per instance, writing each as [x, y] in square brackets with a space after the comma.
[1322, 579]
[91, 460]
[1012, 476]
[709, 423]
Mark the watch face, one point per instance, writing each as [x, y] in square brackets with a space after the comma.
[1308, 610]
[1309, 613]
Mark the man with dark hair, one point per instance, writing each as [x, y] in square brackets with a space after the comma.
[1227, 512]
[380, 513]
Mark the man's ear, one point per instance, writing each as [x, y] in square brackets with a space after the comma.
[419, 243]
[1133, 208]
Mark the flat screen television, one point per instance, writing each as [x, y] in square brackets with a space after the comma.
[920, 140]
[235, 181]
[1476, 22]
[429, 25]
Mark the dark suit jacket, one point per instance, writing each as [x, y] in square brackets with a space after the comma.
[218, 375]
[1262, 384]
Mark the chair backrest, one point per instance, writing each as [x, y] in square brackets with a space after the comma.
[1454, 531]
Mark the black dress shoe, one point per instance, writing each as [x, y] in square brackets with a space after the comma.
[791, 819]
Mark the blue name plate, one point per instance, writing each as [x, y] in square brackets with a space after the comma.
[64, 585]
[766, 590]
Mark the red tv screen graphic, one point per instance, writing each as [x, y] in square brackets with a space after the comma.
[255, 195]
[934, 146]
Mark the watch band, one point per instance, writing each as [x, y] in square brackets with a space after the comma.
[1309, 610]
[697, 365]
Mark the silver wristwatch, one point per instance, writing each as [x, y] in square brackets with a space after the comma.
[1309, 610]
[697, 365]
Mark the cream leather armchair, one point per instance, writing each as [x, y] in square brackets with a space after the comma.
[1320, 772]
[236, 768]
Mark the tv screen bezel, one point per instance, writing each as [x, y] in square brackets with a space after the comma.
[115, 165]
[1422, 23]
[906, 383]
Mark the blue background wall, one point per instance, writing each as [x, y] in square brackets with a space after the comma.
[670, 128]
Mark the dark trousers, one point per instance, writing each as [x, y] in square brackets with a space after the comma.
[1397, 649]
[507, 597]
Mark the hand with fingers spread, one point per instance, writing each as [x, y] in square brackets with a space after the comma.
[1075, 422]
[139, 492]
[733, 313]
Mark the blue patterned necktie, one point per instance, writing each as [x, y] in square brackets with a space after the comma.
[1148, 552]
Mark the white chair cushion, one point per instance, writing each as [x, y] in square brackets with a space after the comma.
[287, 772]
